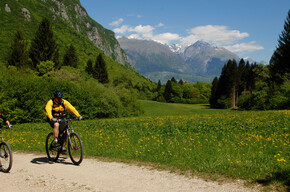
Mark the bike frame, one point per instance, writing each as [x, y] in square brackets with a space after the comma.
[68, 130]
[69, 137]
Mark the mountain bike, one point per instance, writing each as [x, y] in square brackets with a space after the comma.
[73, 140]
[6, 158]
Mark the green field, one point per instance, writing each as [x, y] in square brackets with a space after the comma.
[250, 145]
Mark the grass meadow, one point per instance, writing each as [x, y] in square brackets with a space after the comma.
[250, 145]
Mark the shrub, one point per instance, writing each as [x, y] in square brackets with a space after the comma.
[45, 66]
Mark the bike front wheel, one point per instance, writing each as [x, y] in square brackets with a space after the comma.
[75, 148]
[52, 152]
[6, 158]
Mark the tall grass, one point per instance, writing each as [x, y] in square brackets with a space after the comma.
[249, 145]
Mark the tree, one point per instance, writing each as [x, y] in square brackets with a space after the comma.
[213, 98]
[180, 82]
[18, 56]
[70, 58]
[173, 80]
[158, 86]
[43, 46]
[168, 92]
[100, 71]
[280, 66]
[89, 68]
[227, 86]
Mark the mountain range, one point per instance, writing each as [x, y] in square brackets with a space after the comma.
[197, 62]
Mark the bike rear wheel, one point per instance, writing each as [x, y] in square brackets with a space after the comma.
[75, 148]
[6, 158]
[52, 152]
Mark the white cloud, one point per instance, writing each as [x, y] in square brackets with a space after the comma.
[166, 37]
[142, 29]
[215, 34]
[245, 47]
[160, 25]
[117, 23]
[123, 29]
[139, 16]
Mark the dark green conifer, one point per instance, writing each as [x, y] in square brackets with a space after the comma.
[214, 97]
[43, 46]
[173, 80]
[18, 55]
[280, 66]
[168, 92]
[89, 68]
[70, 58]
[158, 85]
[100, 70]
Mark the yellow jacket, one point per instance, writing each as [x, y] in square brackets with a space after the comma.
[53, 109]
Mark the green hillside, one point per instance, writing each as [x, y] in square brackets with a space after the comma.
[71, 26]
[64, 31]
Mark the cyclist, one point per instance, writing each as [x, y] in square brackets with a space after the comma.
[5, 120]
[55, 110]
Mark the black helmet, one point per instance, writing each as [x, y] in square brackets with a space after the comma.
[57, 93]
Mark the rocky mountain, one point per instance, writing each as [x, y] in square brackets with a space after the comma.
[149, 56]
[205, 59]
[26, 15]
[156, 61]
[197, 62]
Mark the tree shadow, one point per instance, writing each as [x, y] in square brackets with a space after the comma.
[45, 160]
[280, 177]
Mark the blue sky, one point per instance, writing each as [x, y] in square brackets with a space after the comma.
[245, 27]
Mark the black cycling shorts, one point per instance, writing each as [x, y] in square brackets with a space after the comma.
[61, 125]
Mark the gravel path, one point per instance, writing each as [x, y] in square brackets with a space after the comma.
[32, 172]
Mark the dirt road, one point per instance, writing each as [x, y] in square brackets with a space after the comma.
[33, 172]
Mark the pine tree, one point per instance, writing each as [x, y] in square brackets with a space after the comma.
[240, 81]
[70, 58]
[213, 96]
[158, 85]
[100, 71]
[18, 56]
[43, 47]
[280, 67]
[89, 68]
[173, 80]
[226, 88]
[180, 82]
[168, 92]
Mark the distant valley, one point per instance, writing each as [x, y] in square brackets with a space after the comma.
[197, 62]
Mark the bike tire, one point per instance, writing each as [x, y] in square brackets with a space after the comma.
[52, 153]
[6, 158]
[75, 148]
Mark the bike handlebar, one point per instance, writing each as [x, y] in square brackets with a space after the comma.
[67, 119]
